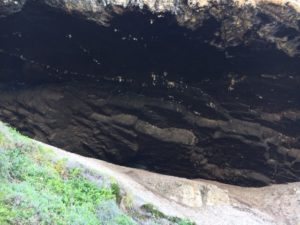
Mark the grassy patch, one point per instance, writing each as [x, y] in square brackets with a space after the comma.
[37, 187]
[36, 190]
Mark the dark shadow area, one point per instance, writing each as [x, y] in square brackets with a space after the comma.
[135, 45]
[147, 93]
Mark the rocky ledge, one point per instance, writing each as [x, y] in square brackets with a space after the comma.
[238, 21]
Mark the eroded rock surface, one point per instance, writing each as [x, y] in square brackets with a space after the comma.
[8, 7]
[216, 97]
[226, 141]
[237, 21]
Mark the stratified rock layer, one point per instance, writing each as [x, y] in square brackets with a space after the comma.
[227, 141]
[217, 97]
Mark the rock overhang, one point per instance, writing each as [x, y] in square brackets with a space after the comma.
[236, 17]
[184, 91]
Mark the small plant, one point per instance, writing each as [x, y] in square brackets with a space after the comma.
[157, 214]
[5, 213]
[153, 211]
[59, 166]
[116, 191]
[74, 172]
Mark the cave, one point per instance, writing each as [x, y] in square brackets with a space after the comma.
[142, 89]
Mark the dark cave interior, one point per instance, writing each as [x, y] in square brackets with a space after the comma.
[148, 93]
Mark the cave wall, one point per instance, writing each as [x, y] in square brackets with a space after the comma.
[208, 91]
[239, 21]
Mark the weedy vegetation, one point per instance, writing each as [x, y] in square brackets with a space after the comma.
[36, 188]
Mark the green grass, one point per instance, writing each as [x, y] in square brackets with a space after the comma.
[36, 190]
[37, 187]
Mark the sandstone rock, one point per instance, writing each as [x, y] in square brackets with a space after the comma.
[202, 201]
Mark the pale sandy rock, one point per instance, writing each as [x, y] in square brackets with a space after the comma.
[205, 202]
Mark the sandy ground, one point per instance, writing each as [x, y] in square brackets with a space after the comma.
[205, 202]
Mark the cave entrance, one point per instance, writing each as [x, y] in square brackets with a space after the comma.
[148, 93]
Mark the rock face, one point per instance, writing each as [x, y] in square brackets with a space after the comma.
[231, 144]
[8, 7]
[238, 21]
[216, 97]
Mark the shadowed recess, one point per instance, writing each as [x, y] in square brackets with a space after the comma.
[148, 93]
